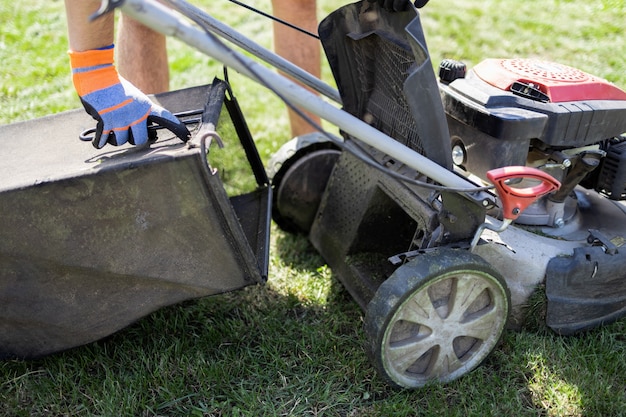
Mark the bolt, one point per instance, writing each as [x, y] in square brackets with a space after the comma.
[559, 222]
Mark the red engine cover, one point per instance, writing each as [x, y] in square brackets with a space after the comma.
[559, 82]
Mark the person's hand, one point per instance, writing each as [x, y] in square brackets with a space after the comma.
[398, 5]
[121, 110]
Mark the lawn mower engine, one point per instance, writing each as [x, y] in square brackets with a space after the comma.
[568, 123]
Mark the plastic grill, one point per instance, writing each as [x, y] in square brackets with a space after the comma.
[382, 68]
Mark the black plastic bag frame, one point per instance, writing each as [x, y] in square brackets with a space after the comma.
[92, 240]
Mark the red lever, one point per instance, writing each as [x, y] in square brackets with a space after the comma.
[516, 200]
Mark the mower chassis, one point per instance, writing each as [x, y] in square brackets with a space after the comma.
[365, 218]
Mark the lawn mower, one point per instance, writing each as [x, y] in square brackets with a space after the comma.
[447, 201]
[440, 272]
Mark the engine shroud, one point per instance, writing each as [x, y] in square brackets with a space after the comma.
[501, 105]
[558, 83]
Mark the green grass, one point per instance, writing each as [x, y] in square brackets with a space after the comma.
[294, 347]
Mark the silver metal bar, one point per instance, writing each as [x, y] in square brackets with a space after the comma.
[170, 23]
[231, 35]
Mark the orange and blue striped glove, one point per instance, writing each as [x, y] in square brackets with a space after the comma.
[121, 110]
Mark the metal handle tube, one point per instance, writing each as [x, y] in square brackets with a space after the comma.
[168, 22]
[264, 54]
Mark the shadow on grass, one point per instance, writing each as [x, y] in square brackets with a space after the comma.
[267, 350]
[255, 351]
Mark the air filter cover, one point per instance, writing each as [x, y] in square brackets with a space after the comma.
[558, 82]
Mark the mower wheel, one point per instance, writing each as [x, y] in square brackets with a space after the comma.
[436, 318]
[299, 172]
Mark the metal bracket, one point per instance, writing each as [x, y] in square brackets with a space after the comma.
[106, 6]
[498, 229]
[597, 238]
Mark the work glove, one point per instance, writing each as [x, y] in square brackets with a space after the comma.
[398, 5]
[121, 110]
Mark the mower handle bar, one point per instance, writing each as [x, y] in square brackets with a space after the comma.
[170, 23]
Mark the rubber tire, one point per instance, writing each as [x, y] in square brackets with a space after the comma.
[440, 273]
[299, 172]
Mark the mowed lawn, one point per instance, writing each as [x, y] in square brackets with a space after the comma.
[295, 347]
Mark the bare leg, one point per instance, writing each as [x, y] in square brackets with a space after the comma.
[300, 49]
[142, 56]
[84, 35]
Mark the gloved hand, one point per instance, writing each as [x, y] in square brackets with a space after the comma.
[398, 5]
[121, 110]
